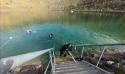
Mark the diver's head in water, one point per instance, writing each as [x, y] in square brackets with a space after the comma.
[69, 44]
[30, 30]
[51, 35]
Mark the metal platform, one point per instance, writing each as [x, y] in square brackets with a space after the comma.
[79, 67]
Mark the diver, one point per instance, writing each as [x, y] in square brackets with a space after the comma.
[64, 49]
[51, 35]
[29, 31]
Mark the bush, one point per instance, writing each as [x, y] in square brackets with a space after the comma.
[2, 3]
[8, 3]
[20, 2]
[40, 1]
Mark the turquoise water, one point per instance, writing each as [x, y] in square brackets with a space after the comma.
[76, 28]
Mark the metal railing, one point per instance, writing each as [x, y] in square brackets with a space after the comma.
[6, 64]
[97, 45]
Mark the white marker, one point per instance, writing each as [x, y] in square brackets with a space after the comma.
[10, 37]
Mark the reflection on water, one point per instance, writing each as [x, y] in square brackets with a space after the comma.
[76, 28]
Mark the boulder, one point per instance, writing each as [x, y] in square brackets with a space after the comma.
[15, 71]
[116, 65]
[32, 70]
[94, 60]
[122, 62]
[110, 62]
[95, 55]
[110, 58]
[101, 65]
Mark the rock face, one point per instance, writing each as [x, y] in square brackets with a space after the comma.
[33, 70]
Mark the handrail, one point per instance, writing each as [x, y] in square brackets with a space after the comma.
[47, 67]
[54, 60]
[100, 45]
[12, 62]
[97, 45]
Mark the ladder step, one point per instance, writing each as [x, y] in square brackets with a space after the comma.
[74, 66]
[68, 62]
[74, 69]
[80, 72]
[70, 65]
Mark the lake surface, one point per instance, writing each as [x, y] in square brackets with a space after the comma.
[76, 28]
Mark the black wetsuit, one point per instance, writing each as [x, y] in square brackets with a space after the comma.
[51, 35]
[64, 51]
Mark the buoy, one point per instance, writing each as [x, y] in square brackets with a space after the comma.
[71, 11]
[10, 37]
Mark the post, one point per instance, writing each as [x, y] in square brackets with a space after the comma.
[82, 52]
[51, 60]
[75, 49]
[101, 56]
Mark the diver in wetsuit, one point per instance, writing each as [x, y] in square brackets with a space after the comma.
[64, 49]
[51, 35]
